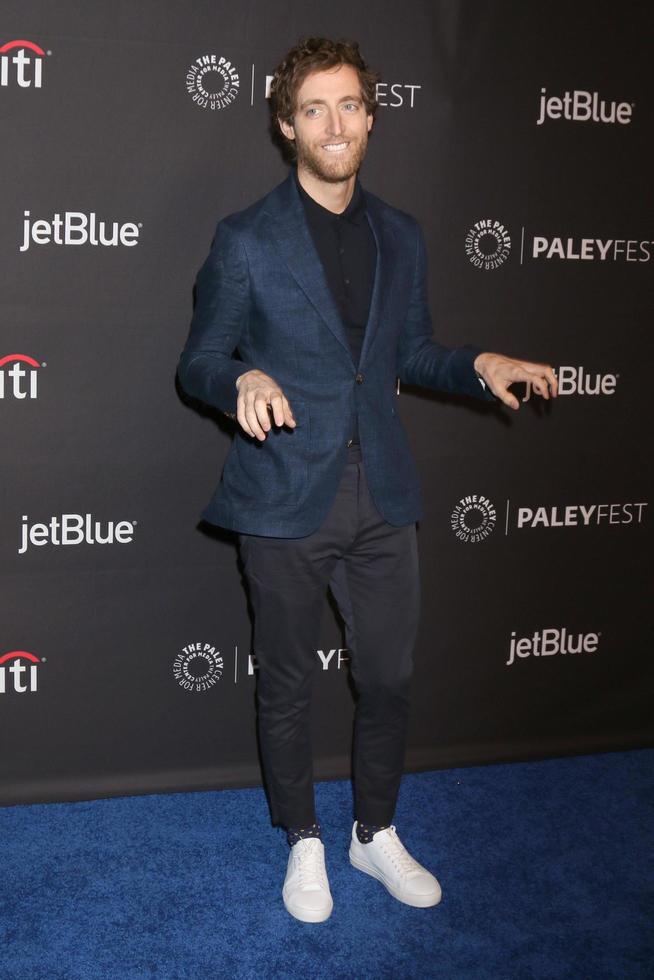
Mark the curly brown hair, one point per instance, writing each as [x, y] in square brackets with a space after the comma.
[312, 54]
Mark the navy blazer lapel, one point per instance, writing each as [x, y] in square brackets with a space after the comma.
[381, 292]
[290, 230]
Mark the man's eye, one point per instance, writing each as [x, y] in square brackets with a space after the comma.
[351, 106]
[313, 111]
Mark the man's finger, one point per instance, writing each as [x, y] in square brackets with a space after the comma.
[552, 381]
[544, 374]
[540, 386]
[240, 417]
[253, 420]
[505, 395]
[261, 409]
[289, 418]
[277, 406]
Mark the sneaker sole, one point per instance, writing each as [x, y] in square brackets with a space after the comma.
[309, 915]
[419, 902]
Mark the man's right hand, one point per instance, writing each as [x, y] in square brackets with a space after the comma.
[257, 391]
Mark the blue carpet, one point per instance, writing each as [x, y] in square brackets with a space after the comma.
[546, 870]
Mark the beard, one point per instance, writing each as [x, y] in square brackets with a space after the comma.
[334, 171]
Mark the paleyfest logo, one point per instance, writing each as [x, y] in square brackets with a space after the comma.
[579, 515]
[394, 95]
[19, 672]
[212, 82]
[488, 246]
[21, 64]
[19, 377]
[475, 516]
[591, 249]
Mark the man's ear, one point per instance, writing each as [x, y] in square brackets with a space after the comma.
[370, 121]
[286, 129]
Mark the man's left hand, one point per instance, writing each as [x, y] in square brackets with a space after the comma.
[499, 371]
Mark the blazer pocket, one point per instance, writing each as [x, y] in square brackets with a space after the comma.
[276, 470]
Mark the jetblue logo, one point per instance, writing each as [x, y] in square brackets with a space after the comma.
[70, 529]
[76, 228]
[548, 642]
[582, 106]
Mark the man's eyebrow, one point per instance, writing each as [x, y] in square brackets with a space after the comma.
[346, 98]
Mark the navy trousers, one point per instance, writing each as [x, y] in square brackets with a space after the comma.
[371, 568]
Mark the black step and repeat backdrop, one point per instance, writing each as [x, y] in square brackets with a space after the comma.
[521, 137]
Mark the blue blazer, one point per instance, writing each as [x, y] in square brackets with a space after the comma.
[262, 292]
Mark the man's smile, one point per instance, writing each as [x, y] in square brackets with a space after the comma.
[335, 147]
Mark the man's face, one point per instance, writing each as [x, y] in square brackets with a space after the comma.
[330, 125]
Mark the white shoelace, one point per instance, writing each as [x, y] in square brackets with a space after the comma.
[310, 865]
[397, 852]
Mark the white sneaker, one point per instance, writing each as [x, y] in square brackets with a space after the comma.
[306, 891]
[387, 859]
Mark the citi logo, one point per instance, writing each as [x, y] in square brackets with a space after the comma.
[26, 70]
[76, 228]
[582, 106]
[70, 529]
[21, 379]
[19, 676]
[580, 381]
[549, 642]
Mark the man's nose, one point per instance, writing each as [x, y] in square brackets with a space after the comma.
[335, 122]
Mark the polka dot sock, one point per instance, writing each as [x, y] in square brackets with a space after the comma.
[365, 831]
[294, 834]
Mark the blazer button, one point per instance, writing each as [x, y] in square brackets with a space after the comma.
[359, 379]
[350, 442]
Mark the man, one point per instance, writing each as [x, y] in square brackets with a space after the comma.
[320, 287]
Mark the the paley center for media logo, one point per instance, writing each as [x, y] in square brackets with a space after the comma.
[198, 667]
[21, 64]
[19, 672]
[212, 81]
[488, 243]
[78, 228]
[473, 518]
[19, 376]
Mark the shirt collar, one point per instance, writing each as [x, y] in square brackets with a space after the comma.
[354, 212]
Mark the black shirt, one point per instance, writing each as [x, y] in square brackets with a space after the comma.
[347, 250]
